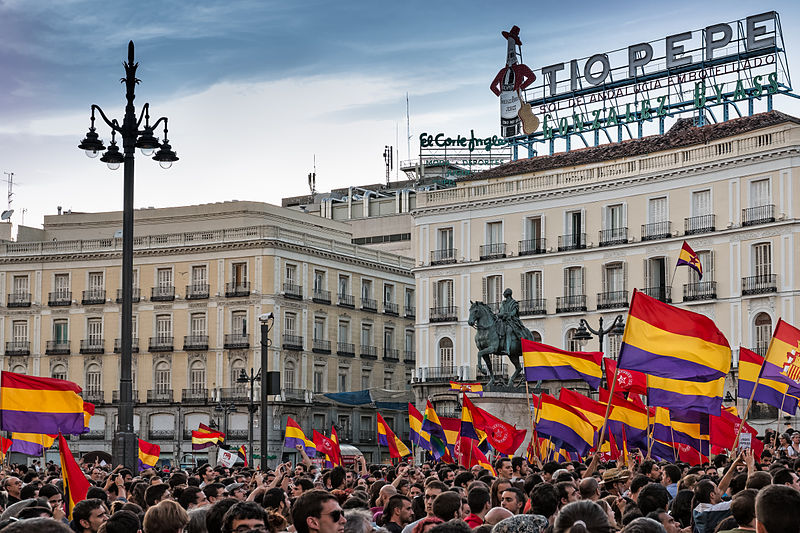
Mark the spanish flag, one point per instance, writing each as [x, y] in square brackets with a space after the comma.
[689, 258]
[386, 437]
[148, 455]
[31, 404]
[474, 388]
[75, 483]
[294, 436]
[543, 362]
[784, 349]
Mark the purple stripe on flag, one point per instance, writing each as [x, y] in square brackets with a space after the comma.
[556, 430]
[674, 400]
[203, 445]
[662, 451]
[633, 358]
[773, 371]
[291, 442]
[382, 440]
[560, 373]
[768, 395]
[28, 448]
[635, 437]
[44, 423]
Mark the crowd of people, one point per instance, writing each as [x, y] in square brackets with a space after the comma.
[739, 494]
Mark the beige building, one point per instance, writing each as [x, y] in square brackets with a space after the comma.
[344, 319]
[573, 234]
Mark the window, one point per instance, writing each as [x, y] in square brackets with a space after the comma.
[366, 289]
[366, 334]
[94, 330]
[319, 280]
[291, 273]
[162, 378]
[366, 376]
[493, 290]
[573, 281]
[199, 276]
[344, 331]
[531, 285]
[237, 365]
[446, 353]
[762, 259]
[614, 278]
[388, 338]
[198, 324]
[533, 228]
[759, 193]
[657, 210]
[494, 232]
[21, 285]
[319, 379]
[444, 237]
[701, 203]
[706, 258]
[572, 344]
[164, 278]
[409, 301]
[93, 378]
[96, 281]
[388, 293]
[614, 217]
[61, 285]
[344, 284]
[135, 283]
[61, 331]
[134, 327]
[367, 426]
[574, 226]
[655, 273]
[443, 296]
[388, 379]
[319, 328]
[763, 333]
[197, 376]
[613, 343]
[290, 323]
[537, 337]
[19, 330]
[59, 371]
[163, 327]
[343, 424]
[288, 375]
[343, 379]
[239, 323]
[409, 342]
[239, 274]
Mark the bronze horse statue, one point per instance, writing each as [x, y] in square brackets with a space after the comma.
[490, 339]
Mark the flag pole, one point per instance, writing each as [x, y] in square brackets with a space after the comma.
[783, 399]
[752, 394]
[649, 431]
[608, 406]
[530, 415]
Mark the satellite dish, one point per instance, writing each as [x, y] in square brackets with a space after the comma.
[118, 234]
[6, 214]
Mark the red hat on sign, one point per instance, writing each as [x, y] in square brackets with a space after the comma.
[514, 34]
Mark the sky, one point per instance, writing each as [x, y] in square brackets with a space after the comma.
[256, 91]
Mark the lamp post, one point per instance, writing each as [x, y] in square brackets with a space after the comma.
[244, 378]
[266, 320]
[585, 331]
[125, 445]
[224, 409]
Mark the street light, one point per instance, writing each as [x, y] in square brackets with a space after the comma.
[585, 331]
[267, 320]
[244, 379]
[224, 409]
[125, 445]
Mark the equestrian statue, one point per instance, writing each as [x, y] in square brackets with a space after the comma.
[499, 334]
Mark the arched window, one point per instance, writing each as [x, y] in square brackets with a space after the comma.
[59, 371]
[288, 375]
[537, 337]
[93, 378]
[572, 344]
[237, 365]
[763, 333]
[446, 353]
[197, 376]
[163, 381]
[19, 369]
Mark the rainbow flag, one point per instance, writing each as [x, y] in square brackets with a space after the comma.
[689, 258]
[294, 435]
[784, 349]
[418, 436]
[433, 427]
[563, 422]
[386, 437]
[31, 404]
[543, 362]
[148, 455]
[474, 388]
[685, 355]
[31, 443]
[75, 483]
[777, 390]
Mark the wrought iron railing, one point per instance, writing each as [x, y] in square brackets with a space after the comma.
[236, 341]
[237, 289]
[573, 241]
[345, 300]
[292, 342]
[320, 296]
[612, 299]
[19, 299]
[195, 342]
[659, 292]
[571, 304]
[92, 346]
[443, 257]
[59, 299]
[194, 396]
[703, 290]
[18, 347]
[134, 345]
[494, 250]
[60, 347]
[197, 291]
[762, 284]
[368, 304]
[368, 352]
[533, 306]
[391, 308]
[762, 214]
[321, 346]
[136, 295]
[292, 290]
[93, 297]
[346, 349]
[391, 354]
[161, 344]
[444, 314]
[609, 237]
[159, 396]
[656, 230]
[165, 293]
[699, 224]
[532, 246]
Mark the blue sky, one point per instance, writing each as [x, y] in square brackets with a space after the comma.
[255, 89]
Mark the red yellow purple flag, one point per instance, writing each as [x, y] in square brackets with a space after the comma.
[30, 404]
[688, 257]
[75, 483]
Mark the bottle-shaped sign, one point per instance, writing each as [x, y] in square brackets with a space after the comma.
[508, 83]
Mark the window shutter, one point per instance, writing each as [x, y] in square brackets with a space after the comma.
[625, 215]
[523, 286]
[450, 293]
[709, 270]
[566, 282]
[582, 271]
[646, 271]
[624, 275]
[605, 281]
[436, 288]
[485, 290]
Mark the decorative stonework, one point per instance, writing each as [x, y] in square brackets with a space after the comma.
[159, 357]
[199, 356]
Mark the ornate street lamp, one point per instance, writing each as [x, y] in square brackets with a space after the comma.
[243, 378]
[125, 444]
[585, 331]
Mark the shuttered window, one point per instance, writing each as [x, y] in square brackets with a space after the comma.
[614, 277]
[573, 281]
[443, 296]
[164, 277]
[657, 210]
[762, 259]
[701, 203]
[531, 285]
[707, 261]
[493, 289]
[759, 193]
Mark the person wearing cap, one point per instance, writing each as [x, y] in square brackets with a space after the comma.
[237, 490]
[614, 481]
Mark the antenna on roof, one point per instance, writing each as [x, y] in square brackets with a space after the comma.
[10, 181]
[388, 158]
[312, 179]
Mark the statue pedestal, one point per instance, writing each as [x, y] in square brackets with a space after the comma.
[510, 407]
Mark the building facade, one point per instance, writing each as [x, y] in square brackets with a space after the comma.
[344, 320]
[573, 234]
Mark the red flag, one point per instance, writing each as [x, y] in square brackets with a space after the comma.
[723, 433]
[5, 444]
[328, 447]
[75, 483]
[627, 380]
[502, 436]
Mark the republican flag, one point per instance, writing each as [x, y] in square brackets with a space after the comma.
[626, 419]
[774, 387]
[594, 411]
[31, 404]
[386, 437]
[784, 349]
[563, 422]
[502, 436]
[326, 446]
[543, 362]
[294, 435]
[206, 437]
[148, 455]
[75, 483]
[418, 436]
[684, 354]
[689, 258]
[88, 413]
[242, 453]
[690, 428]
[31, 443]
[474, 388]
[627, 380]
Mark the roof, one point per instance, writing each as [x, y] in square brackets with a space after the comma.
[683, 133]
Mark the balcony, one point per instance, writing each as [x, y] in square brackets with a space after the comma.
[762, 411]
[321, 346]
[441, 373]
[92, 434]
[368, 352]
[292, 342]
[197, 291]
[159, 396]
[571, 304]
[758, 215]
[161, 434]
[19, 299]
[134, 345]
[532, 247]
[444, 314]
[194, 396]
[321, 297]
[18, 347]
[59, 299]
[292, 290]
[236, 341]
[368, 304]
[499, 370]
[391, 355]
[699, 224]
[346, 349]
[496, 250]
[237, 434]
[115, 396]
[367, 436]
[90, 346]
[409, 357]
[656, 230]
[195, 343]
[612, 299]
[234, 394]
[704, 290]
[345, 435]
[610, 237]
[93, 297]
[574, 241]
[137, 295]
[536, 306]
[443, 257]
[391, 308]
[293, 395]
[93, 396]
[411, 311]
[662, 293]
[57, 347]
[162, 294]
[161, 344]
[237, 289]
[764, 284]
[346, 300]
